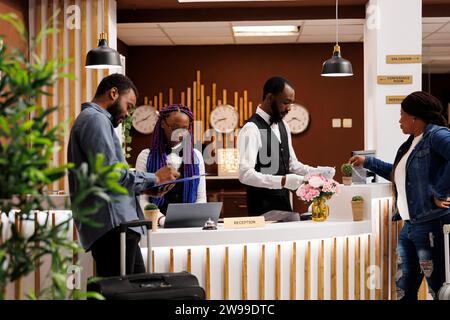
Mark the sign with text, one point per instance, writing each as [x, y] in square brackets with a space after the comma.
[394, 99]
[406, 79]
[243, 222]
[404, 58]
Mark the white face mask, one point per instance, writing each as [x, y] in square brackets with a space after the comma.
[174, 160]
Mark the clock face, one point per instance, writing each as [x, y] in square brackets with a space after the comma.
[144, 119]
[224, 118]
[297, 118]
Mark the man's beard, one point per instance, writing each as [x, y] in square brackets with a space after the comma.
[114, 110]
[277, 116]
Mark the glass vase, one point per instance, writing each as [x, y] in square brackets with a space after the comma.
[320, 209]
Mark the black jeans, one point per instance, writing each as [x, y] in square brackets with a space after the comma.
[106, 253]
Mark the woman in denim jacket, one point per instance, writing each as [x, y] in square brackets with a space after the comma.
[421, 182]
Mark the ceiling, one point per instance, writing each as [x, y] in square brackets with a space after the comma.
[435, 30]
[174, 4]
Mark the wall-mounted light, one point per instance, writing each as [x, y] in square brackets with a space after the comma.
[337, 66]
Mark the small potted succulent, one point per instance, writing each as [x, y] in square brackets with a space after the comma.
[346, 170]
[357, 208]
[151, 212]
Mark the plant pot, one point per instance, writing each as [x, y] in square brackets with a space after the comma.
[358, 210]
[347, 181]
[152, 215]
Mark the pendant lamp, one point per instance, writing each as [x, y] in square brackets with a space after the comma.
[102, 57]
[337, 66]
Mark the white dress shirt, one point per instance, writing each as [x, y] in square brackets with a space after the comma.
[249, 143]
[400, 181]
[141, 165]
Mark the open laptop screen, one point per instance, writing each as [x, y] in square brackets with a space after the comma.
[188, 215]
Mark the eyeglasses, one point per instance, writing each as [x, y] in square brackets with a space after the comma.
[174, 128]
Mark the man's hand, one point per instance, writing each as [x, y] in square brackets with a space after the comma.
[292, 181]
[159, 192]
[445, 204]
[166, 174]
[357, 161]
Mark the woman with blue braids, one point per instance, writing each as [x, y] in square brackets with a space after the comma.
[173, 144]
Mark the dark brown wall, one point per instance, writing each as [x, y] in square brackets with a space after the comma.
[20, 8]
[439, 86]
[235, 68]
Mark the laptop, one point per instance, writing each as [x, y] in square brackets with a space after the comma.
[189, 215]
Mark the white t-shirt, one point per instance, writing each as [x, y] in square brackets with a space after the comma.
[141, 165]
[400, 181]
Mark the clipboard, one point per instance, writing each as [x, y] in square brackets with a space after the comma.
[179, 180]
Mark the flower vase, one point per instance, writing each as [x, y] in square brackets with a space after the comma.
[320, 210]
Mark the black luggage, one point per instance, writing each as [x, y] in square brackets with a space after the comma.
[147, 286]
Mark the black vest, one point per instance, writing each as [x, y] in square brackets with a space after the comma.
[261, 200]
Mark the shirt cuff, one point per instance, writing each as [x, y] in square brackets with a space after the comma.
[277, 182]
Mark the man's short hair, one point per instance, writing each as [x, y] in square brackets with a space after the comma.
[116, 80]
[275, 85]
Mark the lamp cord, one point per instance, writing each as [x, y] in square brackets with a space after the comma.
[103, 16]
[337, 24]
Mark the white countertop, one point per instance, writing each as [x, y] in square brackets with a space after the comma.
[273, 232]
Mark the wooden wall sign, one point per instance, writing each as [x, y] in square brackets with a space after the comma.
[404, 79]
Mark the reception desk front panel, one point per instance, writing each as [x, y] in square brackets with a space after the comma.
[335, 259]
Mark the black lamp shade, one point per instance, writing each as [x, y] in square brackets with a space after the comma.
[102, 57]
[337, 66]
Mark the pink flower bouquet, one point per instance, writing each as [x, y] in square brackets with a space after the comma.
[316, 186]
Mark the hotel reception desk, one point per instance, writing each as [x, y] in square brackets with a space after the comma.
[336, 259]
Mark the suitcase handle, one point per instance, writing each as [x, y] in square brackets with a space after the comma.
[136, 223]
[123, 228]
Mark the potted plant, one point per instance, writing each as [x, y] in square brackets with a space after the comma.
[151, 212]
[346, 170]
[357, 208]
[27, 145]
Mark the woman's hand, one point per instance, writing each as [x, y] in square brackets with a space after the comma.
[357, 161]
[445, 204]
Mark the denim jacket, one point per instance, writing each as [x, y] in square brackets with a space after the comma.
[427, 173]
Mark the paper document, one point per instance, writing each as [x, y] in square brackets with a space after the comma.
[179, 180]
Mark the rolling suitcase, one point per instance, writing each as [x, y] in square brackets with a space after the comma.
[444, 292]
[147, 286]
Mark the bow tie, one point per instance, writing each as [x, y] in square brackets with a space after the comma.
[271, 121]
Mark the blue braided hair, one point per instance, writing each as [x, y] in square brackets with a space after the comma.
[158, 158]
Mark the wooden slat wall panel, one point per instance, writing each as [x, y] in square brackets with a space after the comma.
[61, 96]
[320, 271]
[94, 42]
[357, 268]
[106, 28]
[345, 270]
[366, 269]
[262, 273]
[226, 275]
[83, 51]
[386, 238]
[208, 274]
[244, 274]
[333, 276]
[278, 273]
[293, 282]
[378, 248]
[394, 239]
[307, 279]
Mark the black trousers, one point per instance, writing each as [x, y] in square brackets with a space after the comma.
[106, 253]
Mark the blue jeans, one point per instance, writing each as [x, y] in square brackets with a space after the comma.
[420, 252]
